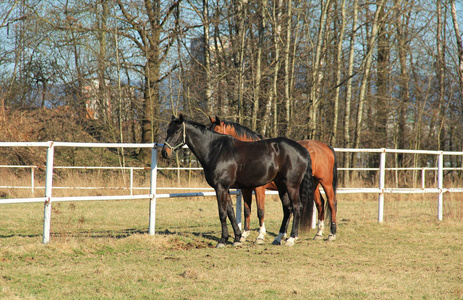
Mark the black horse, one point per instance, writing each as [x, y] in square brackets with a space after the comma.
[231, 163]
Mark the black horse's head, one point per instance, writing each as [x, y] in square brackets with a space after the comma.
[175, 136]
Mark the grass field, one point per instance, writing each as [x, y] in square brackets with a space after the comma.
[101, 250]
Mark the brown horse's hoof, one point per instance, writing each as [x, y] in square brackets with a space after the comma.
[244, 236]
[318, 237]
[331, 237]
[290, 242]
[260, 241]
[237, 244]
[220, 245]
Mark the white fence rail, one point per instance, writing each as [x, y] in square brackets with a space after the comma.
[153, 195]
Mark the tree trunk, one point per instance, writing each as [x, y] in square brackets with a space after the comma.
[207, 58]
[258, 78]
[440, 73]
[240, 11]
[276, 40]
[338, 73]
[287, 130]
[459, 47]
[382, 73]
[366, 73]
[350, 72]
[316, 76]
[102, 90]
[402, 40]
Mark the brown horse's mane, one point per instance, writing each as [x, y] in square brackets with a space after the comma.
[243, 131]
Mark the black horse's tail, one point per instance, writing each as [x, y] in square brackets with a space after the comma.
[335, 171]
[306, 191]
[335, 179]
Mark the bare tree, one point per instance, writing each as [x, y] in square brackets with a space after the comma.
[341, 30]
[366, 71]
[147, 36]
[459, 45]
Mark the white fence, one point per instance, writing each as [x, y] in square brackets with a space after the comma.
[47, 199]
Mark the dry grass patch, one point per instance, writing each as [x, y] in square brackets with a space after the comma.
[102, 250]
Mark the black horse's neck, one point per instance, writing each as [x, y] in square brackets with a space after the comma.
[200, 140]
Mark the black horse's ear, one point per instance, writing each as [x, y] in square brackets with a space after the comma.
[217, 120]
[173, 118]
[181, 118]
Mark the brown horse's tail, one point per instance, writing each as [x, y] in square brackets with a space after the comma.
[306, 197]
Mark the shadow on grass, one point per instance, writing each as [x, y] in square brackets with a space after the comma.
[211, 237]
[116, 234]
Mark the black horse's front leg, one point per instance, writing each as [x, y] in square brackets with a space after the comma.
[222, 197]
[231, 216]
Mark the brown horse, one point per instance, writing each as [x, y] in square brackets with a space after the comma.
[324, 172]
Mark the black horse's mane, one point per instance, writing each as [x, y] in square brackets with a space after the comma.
[243, 131]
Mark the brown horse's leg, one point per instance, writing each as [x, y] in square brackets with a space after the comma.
[320, 203]
[247, 197]
[333, 208]
[260, 201]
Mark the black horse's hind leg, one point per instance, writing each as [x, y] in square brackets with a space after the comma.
[296, 208]
[287, 211]
[231, 216]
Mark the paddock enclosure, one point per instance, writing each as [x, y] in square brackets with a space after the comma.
[104, 250]
[436, 188]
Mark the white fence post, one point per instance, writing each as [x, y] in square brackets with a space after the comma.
[131, 181]
[382, 172]
[33, 180]
[48, 193]
[423, 178]
[440, 177]
[239, 206]
[154, 172]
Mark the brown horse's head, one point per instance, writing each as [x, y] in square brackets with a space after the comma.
[217, 125]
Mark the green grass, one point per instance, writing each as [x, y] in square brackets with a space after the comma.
[101, 250]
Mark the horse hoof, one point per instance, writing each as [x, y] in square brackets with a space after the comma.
[260, 241]
[331, 237]
[289, 242]
[220, 245]
[276, 242]
[318, 237]
[237, 244]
